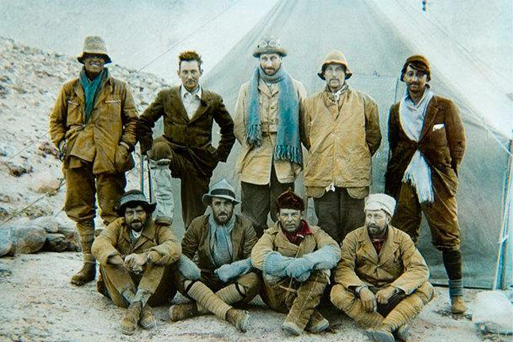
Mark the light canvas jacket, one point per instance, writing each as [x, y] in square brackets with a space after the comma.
[341, 139]
[113, 120]
[254, 163]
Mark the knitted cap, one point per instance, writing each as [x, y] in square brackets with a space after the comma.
[380, 202]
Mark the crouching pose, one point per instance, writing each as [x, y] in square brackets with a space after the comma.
[381, 280]
[223, 242]
[135, 255]
[295, 259]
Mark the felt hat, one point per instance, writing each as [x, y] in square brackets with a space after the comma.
[380, 202]
[221, 189]
[335, 57]
[269, 44]
[289, 200]
[94, 45]
[419, 63]
[134, 197]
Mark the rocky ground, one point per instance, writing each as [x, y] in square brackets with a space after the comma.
[37, 301]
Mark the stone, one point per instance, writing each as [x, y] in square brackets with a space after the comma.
[7, 247]
[28, 238]
[56, 242]
[72, 237]
[19, 169]
[45, 182]
[49, 223]
[492, 313]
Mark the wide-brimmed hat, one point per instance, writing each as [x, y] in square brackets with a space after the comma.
[221, 189]
[94, 45]
[418, 62]
[335, 57]
[289, 200]
[134, 197]
[269, 44]
[380, 202]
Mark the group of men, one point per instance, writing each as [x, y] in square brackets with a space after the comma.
[381, 280]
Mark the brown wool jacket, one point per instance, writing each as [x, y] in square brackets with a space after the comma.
[197, 239]
[156, 237]
[443, 148]
[113, 120]
[192, 138]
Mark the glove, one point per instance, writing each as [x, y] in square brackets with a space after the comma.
[228, 272]
[325, 258]
[63, 144]
[275, 264]
[188, 269]
[145, 145]
[300, 269]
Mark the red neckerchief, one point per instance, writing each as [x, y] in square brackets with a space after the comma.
[299, 234]
[378, 244]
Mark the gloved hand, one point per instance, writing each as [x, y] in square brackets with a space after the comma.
[231, 271]
[145, 145]
[188, 269]
[275, 264]
[324, 258]
[300, 269]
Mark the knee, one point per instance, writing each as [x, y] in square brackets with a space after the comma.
[342, 298]
[426, 292]
[249, 285]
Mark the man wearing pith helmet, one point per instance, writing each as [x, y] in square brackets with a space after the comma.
[341, 132]
[223, 276]
[135, 253]
[267, 127]
[93, 125]
[427, 143]
[381, 280]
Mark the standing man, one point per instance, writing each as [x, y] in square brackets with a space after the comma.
[267, 126]
[341, 131]
[135, 253]
[295, 260]
[381, 280]
[93, 125]
[223, 242]
[189, 112]
[427, 142]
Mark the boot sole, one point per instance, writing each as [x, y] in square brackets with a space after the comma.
[380, 336]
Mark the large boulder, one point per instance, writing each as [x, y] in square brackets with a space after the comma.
[7, 247]
[492, 313]
[28, 238]
[56, 242]
[49, 223]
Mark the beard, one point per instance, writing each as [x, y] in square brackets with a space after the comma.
[223, 220]
[138, 225]
[375, 231]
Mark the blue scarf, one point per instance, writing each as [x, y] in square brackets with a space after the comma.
[221, 241]
[288, 143]
[91, 90]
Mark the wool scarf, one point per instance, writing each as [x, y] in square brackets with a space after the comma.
[288, 143]
[91, 90]
[221, 241]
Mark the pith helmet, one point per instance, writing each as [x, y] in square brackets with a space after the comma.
[221, 189]
[335, 57]
[269, 45]
[135, 197]
[94, 45]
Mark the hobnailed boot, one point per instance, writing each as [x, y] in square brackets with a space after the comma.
[291, 329]
[238, 318]
[148, 320]
[402, 333]
[179, 312]
[130, 319]
[317, 323]
[458, 305]
[381, 334]
[88, 271]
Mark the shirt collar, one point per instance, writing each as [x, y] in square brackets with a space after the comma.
[417, 105]
[196, 92]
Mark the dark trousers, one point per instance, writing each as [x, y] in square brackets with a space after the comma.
[338, 213]
[258, 201]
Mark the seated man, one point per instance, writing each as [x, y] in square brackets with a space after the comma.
[223, 242]
[135, 253]
[382, 280]
[295, 259]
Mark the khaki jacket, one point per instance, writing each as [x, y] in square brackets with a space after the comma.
[254, 163]
[113, 120]
[275, 240]
[197, 240]
[157, 237]
[341, 139]
[191, 137]
[443, 148]
[399, 263]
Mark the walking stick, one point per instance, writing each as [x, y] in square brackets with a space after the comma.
[150, 185]
[141, 160]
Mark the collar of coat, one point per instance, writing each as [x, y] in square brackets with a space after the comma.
[388, 250]
[175, 99]
[287, 248]
[108, 85]
[148, 233]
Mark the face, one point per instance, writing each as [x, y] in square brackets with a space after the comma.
[415, 80]
[190, 73]
[135, 217]
[94, 64]
[270, 63]
[335, 76]
[222, 209]
[376, 222]
[290, 219]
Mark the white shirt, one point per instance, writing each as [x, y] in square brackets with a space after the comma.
[191, 101]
